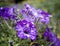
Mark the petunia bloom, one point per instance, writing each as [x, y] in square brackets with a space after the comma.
[49, 35]
[31, 14]
[26, 30]
[57, 43]
[44, 16]
[7, 13]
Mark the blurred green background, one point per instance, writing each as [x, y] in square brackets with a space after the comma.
[8, 34]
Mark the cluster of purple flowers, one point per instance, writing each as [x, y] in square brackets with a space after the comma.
[51, 37]
[26, 27]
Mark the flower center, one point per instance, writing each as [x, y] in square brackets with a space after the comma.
[26, 32]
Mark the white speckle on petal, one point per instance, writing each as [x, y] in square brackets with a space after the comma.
[27, 25]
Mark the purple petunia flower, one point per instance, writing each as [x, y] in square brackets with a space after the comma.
[26, 30]
[7, 13]
[44, 16]
[49, 36]
[28, 13]
[57, 43]
[31, 14]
